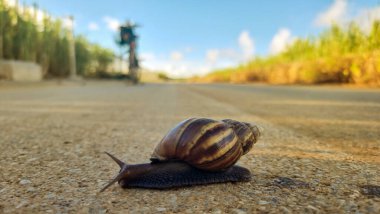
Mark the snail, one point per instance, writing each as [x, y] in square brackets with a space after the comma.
[196, 151]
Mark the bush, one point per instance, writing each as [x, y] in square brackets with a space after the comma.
[335, 56]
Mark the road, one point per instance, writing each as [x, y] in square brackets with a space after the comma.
[320, 150]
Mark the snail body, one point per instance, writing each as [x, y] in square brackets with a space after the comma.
[196, 151]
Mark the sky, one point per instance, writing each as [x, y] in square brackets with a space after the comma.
[193, 37]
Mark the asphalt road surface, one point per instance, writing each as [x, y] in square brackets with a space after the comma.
[320, 150]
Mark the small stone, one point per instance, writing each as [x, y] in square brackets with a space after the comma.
[31, 160]
[75, 170]
[161, 209]
[238, 211]
[274, 200]
[25, 182]
[312, 208]
[355, 194]
[97, 209]
[50, 196]
[217, 211]
[81, 184]
[22, 204]
[263, 202]
[31, 189]
[173, 200]
[285, 210]
[185, 193]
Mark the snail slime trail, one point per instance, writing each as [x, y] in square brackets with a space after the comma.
[197, 151]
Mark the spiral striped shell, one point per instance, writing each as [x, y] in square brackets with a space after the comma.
[206, 143]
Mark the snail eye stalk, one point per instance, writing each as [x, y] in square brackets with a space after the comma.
[122, 173]
[119, 162]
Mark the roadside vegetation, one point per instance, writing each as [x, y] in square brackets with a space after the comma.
[29, 34]
[338, 55]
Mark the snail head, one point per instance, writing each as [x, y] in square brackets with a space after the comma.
[123, 173]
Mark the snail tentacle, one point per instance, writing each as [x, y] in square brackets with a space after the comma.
[118, 177]
[119, 162]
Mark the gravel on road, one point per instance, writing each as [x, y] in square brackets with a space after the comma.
[320, 151]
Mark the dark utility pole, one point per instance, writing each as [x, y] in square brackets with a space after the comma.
[129, 38]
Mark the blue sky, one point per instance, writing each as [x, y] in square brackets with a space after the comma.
[187, 37]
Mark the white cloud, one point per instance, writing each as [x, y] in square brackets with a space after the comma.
[35, 12]
[366, 17]
[280, 40]
[147, 56]
[338, 13]
[188, 49]
[176, 64]
[246, 44]
[176, 69]
[179, 67]
[212, 55]
[93, 26]
[68, 23]
[40, 16]
[334, 14]
[11, 3]
[224, 57]
[112, 23]
[176, 56]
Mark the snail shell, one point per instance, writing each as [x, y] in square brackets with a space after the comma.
[207, 144]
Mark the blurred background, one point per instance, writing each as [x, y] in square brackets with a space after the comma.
[305, 42]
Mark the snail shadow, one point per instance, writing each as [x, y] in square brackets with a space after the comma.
[286, 182]
[372, 191]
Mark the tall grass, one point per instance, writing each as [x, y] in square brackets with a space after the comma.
[29, 36]
[338, 55]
